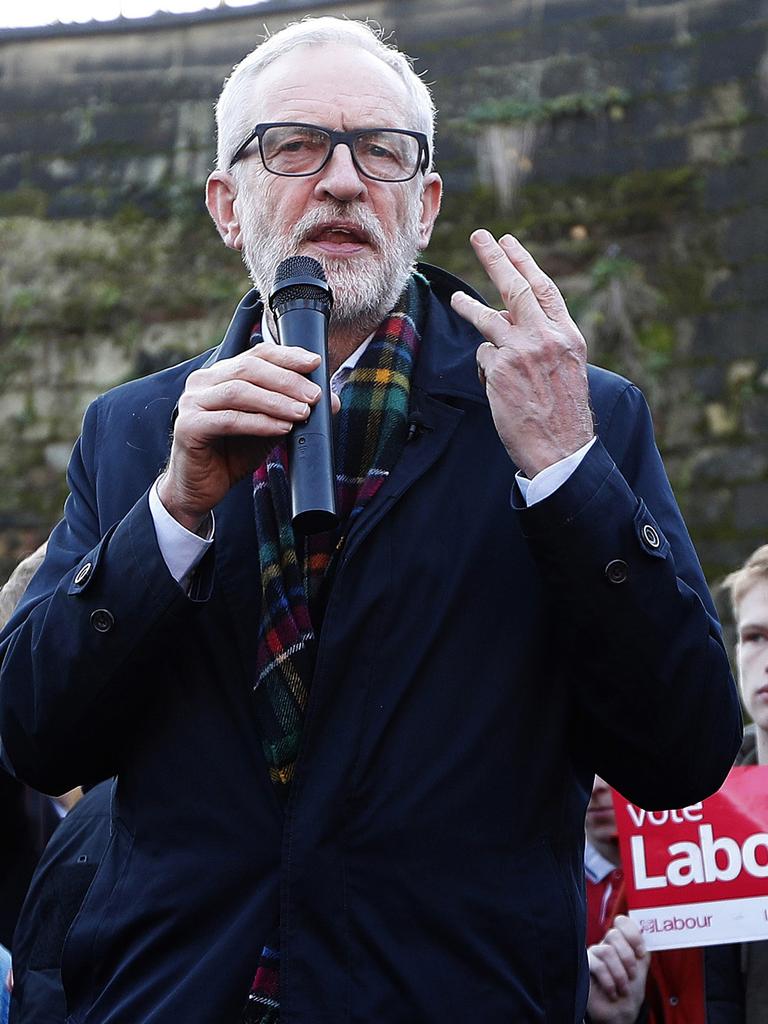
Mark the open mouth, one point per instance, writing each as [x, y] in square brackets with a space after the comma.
[339, 237]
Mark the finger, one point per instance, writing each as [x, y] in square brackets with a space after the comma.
[298, 360]
[485, 356]
[599, 972]
[632, 934]
[515, 291]
[545, 290]
[493, 325]
[624, 952]
[257, 370]
[619, 974]
[292, 356]
[242, 396]
[335, 403]
[208, 425]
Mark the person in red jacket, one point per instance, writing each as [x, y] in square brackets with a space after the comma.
[673, 992]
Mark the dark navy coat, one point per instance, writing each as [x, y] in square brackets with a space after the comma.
[478, 662]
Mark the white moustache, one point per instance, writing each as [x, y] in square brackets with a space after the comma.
[358, 219]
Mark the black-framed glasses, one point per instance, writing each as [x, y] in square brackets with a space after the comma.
[297, 150]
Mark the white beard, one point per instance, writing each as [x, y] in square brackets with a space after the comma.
[365, 288]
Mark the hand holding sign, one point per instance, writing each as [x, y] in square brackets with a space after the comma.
[618, 967]
[698, 876]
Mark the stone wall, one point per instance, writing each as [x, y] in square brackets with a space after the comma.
[624, 140]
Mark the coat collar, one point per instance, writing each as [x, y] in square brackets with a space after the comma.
[446, 367]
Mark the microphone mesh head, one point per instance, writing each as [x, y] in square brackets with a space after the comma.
[305, 267]
[298, 266]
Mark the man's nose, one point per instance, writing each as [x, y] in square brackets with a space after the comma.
[340, 178]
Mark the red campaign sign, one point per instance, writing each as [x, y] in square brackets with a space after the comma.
[699, 874]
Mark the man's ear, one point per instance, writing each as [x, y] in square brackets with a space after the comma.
[220, 195]
[431, 194]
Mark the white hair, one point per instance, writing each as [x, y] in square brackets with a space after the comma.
[232, 118]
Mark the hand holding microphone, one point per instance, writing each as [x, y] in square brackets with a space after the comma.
[232, 412]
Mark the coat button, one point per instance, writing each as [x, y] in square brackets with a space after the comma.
[83, 573]
[651, 536]
[102, 620]
[617, 571]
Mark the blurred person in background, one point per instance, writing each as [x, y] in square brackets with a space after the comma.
[748, 590]
[28, 818]
[13, 589]
[56, 892]
[352, 768]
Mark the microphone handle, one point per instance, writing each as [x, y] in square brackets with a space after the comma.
[310, 445]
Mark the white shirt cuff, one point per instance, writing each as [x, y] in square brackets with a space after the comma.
[181, 549]
[548, 480]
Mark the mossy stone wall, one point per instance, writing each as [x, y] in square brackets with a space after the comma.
[623, 140]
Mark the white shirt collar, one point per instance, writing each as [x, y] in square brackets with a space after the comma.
[596, 867]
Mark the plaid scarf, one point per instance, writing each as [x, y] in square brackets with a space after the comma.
[297, 572]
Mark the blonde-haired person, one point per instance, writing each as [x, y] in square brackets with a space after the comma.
[748, 590]
[11, 593]
[13, 589]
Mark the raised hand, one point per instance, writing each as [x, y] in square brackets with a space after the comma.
[229, 417]
[534, 359]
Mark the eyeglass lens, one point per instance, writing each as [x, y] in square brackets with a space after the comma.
[294, 149]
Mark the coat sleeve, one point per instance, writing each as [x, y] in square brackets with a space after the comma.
[73, 658]
[658, 711]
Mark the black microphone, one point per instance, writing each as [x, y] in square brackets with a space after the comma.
[301, 303]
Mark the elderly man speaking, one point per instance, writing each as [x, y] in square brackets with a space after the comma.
[351, 768]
